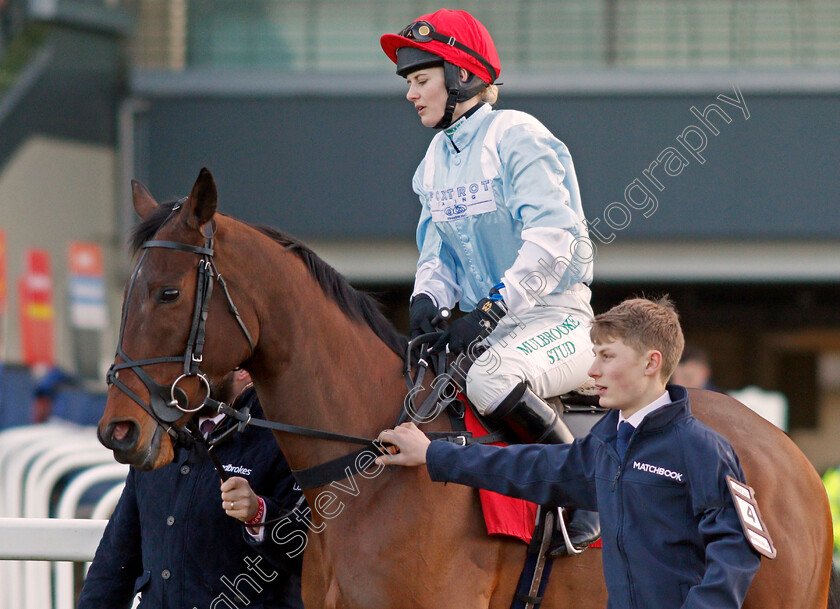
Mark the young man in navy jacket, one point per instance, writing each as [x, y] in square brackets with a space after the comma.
[181, 542]
[672, 537]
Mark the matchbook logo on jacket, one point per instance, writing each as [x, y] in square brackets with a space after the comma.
[659, 471]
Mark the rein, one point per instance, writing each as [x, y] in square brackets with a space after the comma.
[358, 460]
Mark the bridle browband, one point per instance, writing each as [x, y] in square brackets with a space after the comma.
[168, 404]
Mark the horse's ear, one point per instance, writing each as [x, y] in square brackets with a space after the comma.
[144, 202]
[201, 205]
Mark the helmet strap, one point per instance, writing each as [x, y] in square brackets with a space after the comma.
[452, 80]
[451, 101]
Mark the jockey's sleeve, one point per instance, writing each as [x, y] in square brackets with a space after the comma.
[437, 280]
[546, 263]
[541, 192]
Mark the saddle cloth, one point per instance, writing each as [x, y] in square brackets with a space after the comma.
[504, 515]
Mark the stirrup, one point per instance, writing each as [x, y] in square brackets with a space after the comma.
[565, 546]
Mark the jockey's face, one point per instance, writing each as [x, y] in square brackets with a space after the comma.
[427, 91]
[627, 379]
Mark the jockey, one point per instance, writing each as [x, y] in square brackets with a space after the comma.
[501, 232]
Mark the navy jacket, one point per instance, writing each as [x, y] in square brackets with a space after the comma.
[672, 538]
[170, 539]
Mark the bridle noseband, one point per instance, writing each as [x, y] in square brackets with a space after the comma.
[167, 404]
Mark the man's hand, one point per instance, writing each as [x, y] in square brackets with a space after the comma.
[238, 499]
[409, 441]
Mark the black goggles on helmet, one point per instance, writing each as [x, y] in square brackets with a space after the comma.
[423, 31]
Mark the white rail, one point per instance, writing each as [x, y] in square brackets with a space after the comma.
[49, 538]
[47, 470]
[67, 508]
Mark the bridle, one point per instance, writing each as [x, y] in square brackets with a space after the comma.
[167, 404]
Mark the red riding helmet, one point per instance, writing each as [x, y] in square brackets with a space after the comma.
[454, 36]
[453, 39]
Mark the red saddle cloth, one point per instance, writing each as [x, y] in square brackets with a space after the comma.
[505, 515]
[502, 515]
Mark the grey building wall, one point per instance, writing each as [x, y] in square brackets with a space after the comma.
[58, 131]
[324, 164]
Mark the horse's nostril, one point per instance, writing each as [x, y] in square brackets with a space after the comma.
[121, 436]
[120, 431]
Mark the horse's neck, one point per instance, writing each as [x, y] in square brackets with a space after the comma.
[317, 368]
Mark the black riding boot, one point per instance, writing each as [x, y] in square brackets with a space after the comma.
[534, 421]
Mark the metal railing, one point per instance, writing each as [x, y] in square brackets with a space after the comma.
[532, 35]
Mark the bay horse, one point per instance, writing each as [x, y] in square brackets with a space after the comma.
[323, 356]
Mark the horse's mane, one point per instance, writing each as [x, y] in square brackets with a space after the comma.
[355, 304]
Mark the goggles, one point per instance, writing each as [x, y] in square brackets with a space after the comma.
[423, 31]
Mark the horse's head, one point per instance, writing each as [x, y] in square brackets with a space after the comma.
[164, 369]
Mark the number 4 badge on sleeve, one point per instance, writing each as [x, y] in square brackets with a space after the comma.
[754, 527]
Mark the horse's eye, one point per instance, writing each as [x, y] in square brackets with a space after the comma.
[167, 295]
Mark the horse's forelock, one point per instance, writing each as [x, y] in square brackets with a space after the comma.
[150, 225]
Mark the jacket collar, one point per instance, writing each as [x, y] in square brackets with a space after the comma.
[462, 131]
[679, 408]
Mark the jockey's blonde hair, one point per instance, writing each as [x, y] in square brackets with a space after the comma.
[490, 95]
